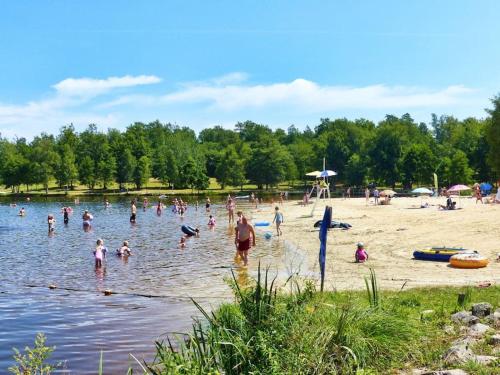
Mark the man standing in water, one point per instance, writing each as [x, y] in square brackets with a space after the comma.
[133, 211]
[243, 231]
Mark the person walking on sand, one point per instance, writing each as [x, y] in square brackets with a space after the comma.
[243, 232]
[348, 192]
[133, 211]
[376, 194]
[278, 218]
[477, 192]
[367, 195]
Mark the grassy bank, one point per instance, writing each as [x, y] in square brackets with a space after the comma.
[297, 330]
[307, 332]
[153, 187]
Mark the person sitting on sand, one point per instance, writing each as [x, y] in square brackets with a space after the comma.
[450, 205]
[124, 250]
[361, 255]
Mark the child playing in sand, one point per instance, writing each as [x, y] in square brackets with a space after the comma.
[278, 218]
[124, 250]
[361, 255]
[99, 253]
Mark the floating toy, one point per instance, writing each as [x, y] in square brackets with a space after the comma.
[262, 224]
[439, 254]
[473, 260]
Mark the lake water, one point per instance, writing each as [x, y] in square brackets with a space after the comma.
[151, 287]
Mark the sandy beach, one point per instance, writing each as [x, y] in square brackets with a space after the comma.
[390, 233]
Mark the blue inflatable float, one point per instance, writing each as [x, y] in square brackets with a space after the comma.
[190, 231]
[262, 224]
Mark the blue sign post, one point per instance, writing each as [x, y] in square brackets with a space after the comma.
[323, 234]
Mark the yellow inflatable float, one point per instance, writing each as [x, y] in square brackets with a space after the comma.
[468, 261]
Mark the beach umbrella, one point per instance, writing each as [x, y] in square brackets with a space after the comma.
[323, 234]
[327, 173]
[313, 174]
[458, 188]
[388, 192]
[486, 186]
[422, 190]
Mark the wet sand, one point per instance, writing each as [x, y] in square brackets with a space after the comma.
[390, 233]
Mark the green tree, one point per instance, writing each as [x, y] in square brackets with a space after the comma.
[355, 171]
[458, 170]
[125, 165]
[270, 164]
[493, 136]
[86, 172]
[142, 172]
[66, 171]
[417, 165]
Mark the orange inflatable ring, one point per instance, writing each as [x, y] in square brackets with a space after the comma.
[468, 261]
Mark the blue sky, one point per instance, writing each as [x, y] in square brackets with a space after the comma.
[276, 62]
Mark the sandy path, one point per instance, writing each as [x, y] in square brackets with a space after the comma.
[390, 234]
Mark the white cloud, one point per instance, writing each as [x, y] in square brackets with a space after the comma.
[310, 96]
[224, 99]
[90, 87]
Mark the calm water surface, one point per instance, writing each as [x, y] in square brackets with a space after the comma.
[76, 317]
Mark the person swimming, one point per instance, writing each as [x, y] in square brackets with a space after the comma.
[22, 212]
[124, 250]
[211, 221]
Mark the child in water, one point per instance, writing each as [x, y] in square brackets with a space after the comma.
[361, 255]
[99, 253]
[182, 242]
[278, 218]
[124, 250]
[51, 222]
[211, 221]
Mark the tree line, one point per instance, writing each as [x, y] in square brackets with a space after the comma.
[396, 150]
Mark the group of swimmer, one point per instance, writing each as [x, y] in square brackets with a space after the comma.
[101, 250]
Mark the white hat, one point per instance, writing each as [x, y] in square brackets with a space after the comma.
[361, 244]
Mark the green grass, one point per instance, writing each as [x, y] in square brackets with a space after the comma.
[153, 187]
[306, 332]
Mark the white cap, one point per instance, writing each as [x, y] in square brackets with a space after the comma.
[361, 244]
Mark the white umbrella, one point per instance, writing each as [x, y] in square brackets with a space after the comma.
[327, 173]
[313, 174]
[422, 190]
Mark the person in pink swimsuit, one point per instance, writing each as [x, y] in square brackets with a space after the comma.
[99, 253]
[361, 254]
